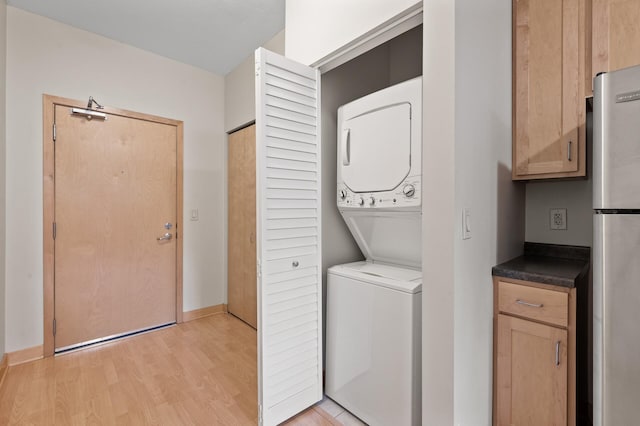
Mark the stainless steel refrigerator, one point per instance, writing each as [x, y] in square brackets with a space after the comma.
[616, 248]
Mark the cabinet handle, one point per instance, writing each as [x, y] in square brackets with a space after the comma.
[557, 353]
[533, 305]
[569, 150]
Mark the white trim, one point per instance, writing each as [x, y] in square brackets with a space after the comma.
[401, 23]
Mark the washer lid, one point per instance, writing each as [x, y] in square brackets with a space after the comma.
[389, 276]
[376, 148]
[392, 237]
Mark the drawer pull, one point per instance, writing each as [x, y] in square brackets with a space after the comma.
[557, 353]
[533, 305]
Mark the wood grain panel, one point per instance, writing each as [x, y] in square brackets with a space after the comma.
[548, 89]
[24, 355]
[4, 367]
[545, 84]
[571, 358]
[179, 216]
[616, 35]
[242, 280]
[115, 187]
[531, 387]
[201, 372]
[554, 309]
[49, 103]
[48, 218]
[204, 312]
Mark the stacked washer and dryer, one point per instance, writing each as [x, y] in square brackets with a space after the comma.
[373, 339]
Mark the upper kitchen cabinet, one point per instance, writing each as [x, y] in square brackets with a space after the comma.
[317, 29]
[549, 69]
[616, 35]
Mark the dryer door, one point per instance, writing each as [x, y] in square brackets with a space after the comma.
[375, 148]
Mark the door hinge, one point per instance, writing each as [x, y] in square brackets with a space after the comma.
[259, 267]
[54, 326]
[260, 414]
[54, 230]
[54, 131]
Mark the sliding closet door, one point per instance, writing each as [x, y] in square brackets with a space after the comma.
[288, 236]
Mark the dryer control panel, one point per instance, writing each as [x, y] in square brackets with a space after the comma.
[406, 195]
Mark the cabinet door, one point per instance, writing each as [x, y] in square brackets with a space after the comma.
[548, 80]
[289, 230]
[241, 262]
[616, 34]
[531, 373]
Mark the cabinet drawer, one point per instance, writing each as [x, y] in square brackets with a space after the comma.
[535, 303]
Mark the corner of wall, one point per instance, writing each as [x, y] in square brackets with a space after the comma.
[483, 184]
[239, 93]
[3, 82]
[438, 223]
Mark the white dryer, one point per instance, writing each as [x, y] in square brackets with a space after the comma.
[373, 343]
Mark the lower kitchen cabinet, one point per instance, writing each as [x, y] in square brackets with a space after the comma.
[535, 354]
[532, 381]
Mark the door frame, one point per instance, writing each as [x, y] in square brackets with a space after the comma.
[48, 193]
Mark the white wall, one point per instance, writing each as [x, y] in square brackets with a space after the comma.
[3, 57]
[483, 183]
[438, 219]
[44, 56]
[239, 88]
[319, 27]
[467, 96]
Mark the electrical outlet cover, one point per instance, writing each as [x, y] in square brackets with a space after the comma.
[558, 219]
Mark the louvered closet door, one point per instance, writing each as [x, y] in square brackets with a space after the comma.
[288, 221]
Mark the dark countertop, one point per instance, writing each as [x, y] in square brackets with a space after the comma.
[554, 264]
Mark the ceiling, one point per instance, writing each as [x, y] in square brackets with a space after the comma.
[215, 35]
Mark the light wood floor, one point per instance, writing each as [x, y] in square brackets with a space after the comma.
[202, 372]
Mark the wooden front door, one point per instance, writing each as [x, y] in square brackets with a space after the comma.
[115, 233]
[242, 284]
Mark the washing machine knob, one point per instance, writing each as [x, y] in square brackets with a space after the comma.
[342, 194]
[409, 190]
[361, 201]
[372, 201]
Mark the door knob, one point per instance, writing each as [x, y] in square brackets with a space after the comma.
[165, 237]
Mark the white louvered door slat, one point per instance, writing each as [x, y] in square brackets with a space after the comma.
[288, 237]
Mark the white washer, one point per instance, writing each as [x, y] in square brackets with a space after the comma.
[373, 342]
[373, 336]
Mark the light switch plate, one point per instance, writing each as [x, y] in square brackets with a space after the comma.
[466, 223]
[558, 219]
[194, 214]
